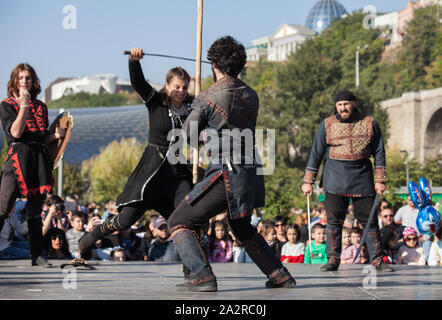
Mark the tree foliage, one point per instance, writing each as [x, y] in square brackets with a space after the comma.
[89, 100]
[72, 180]
[108, 172]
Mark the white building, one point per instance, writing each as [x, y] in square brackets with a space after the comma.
[96, 84]
[281, 44]
[389, 24]
[394, 25]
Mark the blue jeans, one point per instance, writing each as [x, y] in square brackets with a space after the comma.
[17, 250]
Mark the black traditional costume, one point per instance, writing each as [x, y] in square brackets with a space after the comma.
[347, 146]
[27, 170]
[155, 183]
[231, 182]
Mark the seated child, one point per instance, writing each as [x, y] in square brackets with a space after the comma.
[349, 250]
[74, 234]
[388, 243]
[318, 246]
[355, 235]
[292, 251]
[118, 254]
[411, 253]
[220, 246]
[269, 234]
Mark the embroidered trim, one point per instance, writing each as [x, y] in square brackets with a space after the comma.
[195, 194]
[349, 141]
[39, 119]
[217, 107]
[380, 175]
[310, 176]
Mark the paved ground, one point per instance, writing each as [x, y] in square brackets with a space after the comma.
[154, 281]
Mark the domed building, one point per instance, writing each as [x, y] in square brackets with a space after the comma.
[323, 13]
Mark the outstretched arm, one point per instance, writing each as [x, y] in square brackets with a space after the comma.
[139, 83]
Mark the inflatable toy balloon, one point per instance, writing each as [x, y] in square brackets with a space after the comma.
[426, 193]
[416, 195]
[428, 220]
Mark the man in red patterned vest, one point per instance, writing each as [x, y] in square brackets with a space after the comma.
[347, 140]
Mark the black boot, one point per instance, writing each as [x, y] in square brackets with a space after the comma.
[264, 257]
[374, 249]
[193, 256]
[202, 281]
[334, 248]
[186, 272]
[281, 278]
[99, 232]
[36, 242]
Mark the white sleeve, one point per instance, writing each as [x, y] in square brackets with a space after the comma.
[398, 215]
[432, 256]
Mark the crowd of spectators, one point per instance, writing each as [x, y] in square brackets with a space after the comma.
[65, 222]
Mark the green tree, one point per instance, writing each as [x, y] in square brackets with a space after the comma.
[434, 71]
[418, 49]
[108, 172]
[72, 180]
[432, 170]
[89, 100]
[4, 152]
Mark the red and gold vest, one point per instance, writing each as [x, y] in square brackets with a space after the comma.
[349, 141]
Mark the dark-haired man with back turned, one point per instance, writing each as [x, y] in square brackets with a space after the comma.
[231, 181]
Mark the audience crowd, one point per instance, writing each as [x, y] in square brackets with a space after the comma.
[65, 222]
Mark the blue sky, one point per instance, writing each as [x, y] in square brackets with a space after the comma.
[33, 32]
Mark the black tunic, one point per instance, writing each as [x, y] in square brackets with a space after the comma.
[347, 147]
[161, 121]
[28, 154]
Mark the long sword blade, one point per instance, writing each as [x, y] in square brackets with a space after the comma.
[166, 56]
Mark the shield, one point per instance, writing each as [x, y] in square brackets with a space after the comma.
[57, 147]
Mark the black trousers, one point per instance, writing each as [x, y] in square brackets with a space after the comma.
[212, 202]
[336, 208]
[162, 194]
[9, 192]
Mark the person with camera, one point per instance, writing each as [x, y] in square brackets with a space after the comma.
[55, 216]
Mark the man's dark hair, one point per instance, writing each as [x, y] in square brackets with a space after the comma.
[54, 199]
[228, 55]
[281, 219]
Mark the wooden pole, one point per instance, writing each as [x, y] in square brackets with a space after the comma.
[199, 34]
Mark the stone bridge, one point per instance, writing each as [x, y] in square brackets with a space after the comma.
[416, 123]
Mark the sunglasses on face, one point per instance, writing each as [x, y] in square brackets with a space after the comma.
[411, 239]
[278, 225]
